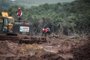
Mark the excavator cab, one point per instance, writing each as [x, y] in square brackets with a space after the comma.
[6, 22]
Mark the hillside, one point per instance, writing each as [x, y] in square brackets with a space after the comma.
[39, 2]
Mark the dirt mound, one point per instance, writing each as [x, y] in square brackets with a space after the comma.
[54, 49]
[51, 56]
[8, 48]
[83, 52]
[3, 47]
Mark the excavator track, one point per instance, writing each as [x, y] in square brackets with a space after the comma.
[33, 39]
[23, 39]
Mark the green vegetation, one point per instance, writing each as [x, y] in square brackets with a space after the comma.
[67, 18]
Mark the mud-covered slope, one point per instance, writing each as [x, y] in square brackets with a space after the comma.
[53, 49]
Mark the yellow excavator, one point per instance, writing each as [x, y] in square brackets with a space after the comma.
[7, 26]
[6, 22]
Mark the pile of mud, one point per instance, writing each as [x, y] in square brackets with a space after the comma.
[55, 49]
[82, 52]
[8, 48]
[13, 51]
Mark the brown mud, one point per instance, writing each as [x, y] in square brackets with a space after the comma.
[52, 48]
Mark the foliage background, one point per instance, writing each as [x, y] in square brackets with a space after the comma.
[62, 18]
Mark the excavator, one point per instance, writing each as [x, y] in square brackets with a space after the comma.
[7, 25]
[15, 31]
[6, 22]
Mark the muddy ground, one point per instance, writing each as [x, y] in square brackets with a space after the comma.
[54, 48]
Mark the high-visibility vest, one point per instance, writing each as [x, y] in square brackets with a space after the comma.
[45, 30]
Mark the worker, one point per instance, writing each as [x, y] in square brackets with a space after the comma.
[46, 31]
[19, 13]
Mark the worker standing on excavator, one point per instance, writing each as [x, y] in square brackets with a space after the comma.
[19, 13]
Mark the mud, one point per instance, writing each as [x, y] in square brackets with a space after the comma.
[54, 49]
